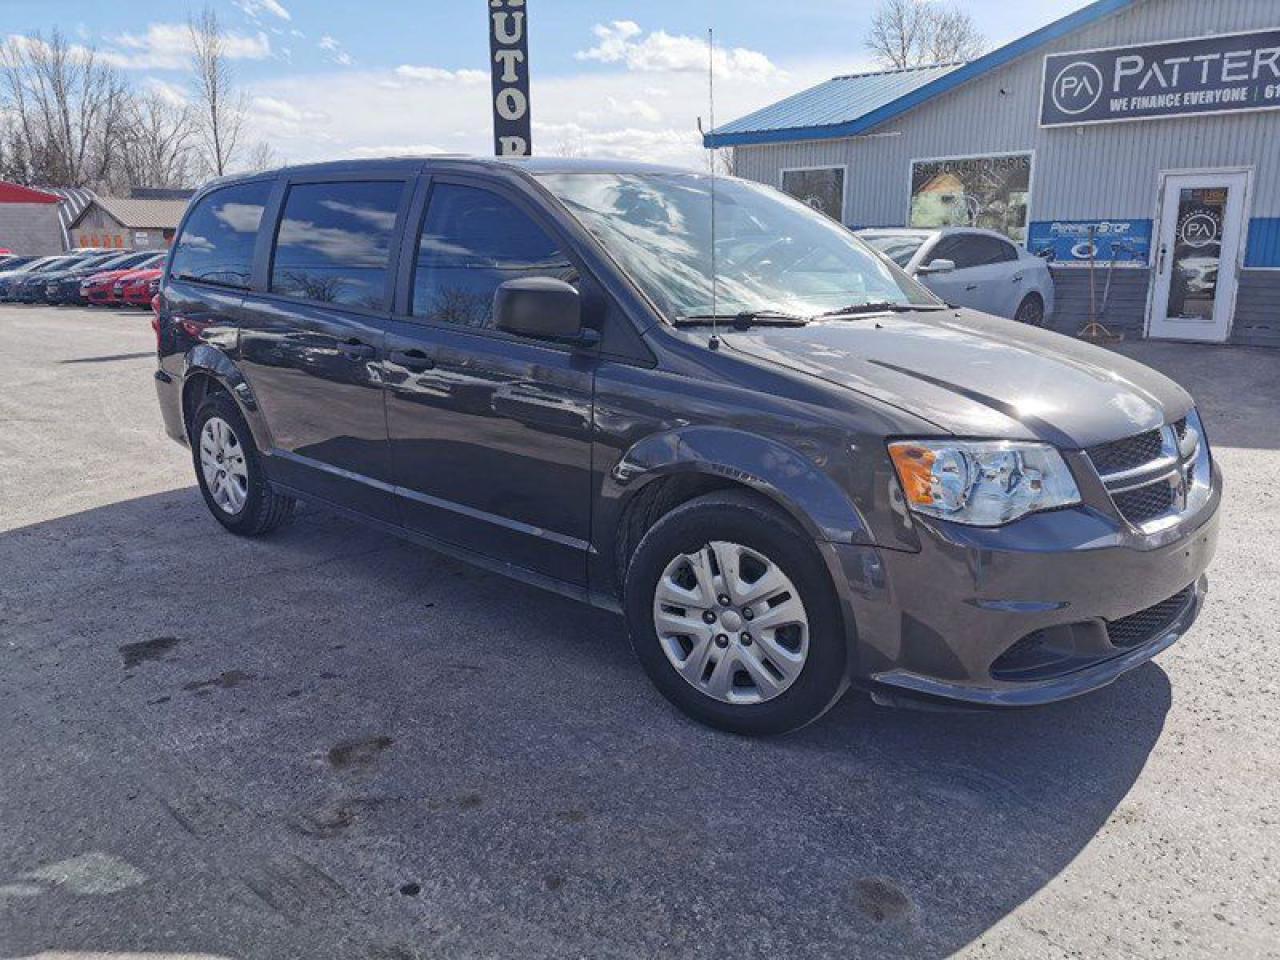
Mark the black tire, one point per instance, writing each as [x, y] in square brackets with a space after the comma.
[1031, 311]
[263, 509]
[745, 519]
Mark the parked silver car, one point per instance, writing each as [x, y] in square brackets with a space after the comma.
[968, 267]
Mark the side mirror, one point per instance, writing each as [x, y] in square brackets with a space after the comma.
[540, 307]
[937, 266]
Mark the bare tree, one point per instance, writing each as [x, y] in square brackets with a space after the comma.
[913, 33]
[726, 161]
[220, 110]
[68, 108]
[158, 146]
[571, 144]
[261, 157]
[952, 37]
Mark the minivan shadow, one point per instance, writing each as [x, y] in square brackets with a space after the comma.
[405, 722]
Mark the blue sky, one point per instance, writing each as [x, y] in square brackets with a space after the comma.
[331, 79]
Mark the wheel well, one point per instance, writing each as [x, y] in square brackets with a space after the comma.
[194, 391]
[658, 498]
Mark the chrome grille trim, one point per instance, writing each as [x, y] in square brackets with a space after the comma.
[1165, 477]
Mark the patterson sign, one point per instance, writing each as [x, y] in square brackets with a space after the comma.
[509, 53]
[1223, 74]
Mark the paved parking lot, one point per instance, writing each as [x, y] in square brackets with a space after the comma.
[331, 744]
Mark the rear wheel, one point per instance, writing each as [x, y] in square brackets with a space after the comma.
[1031, 310]
[731, 613]
[229, 470]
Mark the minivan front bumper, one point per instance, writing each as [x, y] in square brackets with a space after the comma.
[945, 623]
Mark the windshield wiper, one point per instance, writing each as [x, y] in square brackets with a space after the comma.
[744, 319]
[882, 306]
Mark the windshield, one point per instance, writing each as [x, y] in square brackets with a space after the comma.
[898, 247]
[772, 253]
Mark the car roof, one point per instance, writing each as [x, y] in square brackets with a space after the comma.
[410, 165]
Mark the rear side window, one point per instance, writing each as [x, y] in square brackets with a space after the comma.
[216, 245]
[969, 250]
[334, 242]
[472, 242]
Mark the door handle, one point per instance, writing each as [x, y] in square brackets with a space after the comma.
[357, 350]
[1018, 278]
[971, 287]
[1160, 266]
[414, 360]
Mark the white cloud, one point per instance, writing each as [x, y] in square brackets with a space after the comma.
[167, 46]
[253, 8]
[602, 114]
[662, 52]
[396, 150]
[334, 48]
[439, 74]
[172, 93]
[642, 109]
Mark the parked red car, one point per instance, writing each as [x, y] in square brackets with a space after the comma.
[139, 286]
[99, 289]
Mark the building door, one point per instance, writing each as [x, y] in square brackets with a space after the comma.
[1202, 222]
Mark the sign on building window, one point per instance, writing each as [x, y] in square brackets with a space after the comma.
[988, 192]
[1224, 74]
[1079, 242]
[821, 188]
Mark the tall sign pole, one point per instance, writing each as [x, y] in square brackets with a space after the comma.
[509, 55]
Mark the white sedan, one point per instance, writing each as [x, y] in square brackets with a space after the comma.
[974, 268]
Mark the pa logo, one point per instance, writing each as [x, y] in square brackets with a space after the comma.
[1199, 230]
[1077, 87]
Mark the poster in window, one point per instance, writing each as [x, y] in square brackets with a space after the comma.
[822, 189]
[988, 192]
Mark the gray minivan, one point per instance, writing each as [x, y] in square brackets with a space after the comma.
[786, 463]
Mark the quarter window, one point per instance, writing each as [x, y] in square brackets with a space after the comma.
[216, 245]
[334, 242]
[473, 241]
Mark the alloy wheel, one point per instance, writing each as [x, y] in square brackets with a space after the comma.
[731, 623]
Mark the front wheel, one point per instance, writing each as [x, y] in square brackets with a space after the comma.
[732, 615]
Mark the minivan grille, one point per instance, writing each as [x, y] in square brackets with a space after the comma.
[1145, 503]
[1138, 628]
[1148, 474]
[1127, 454]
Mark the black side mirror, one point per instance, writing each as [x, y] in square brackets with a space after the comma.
[540, 307]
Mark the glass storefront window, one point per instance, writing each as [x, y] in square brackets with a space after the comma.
[988, 192]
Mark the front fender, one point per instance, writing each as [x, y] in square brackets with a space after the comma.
[781, 473]
[206, 360]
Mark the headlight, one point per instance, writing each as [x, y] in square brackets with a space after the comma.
[984, 483]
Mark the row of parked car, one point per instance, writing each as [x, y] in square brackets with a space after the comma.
[110, 278]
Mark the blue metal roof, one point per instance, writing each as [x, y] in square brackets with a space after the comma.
[837, 101]
[847, 106]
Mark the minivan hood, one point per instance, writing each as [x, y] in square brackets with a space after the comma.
[976, 375]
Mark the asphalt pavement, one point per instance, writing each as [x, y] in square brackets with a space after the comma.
[329, 743]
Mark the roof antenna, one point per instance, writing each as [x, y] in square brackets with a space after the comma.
[714, 342]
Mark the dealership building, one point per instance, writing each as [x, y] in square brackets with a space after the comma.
[1135, 144]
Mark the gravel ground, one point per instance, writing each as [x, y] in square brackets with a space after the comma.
[331, 744]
